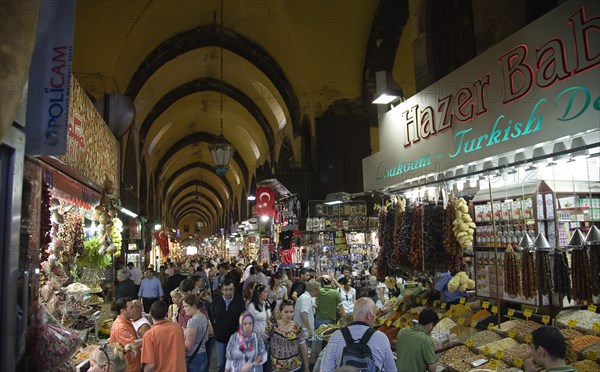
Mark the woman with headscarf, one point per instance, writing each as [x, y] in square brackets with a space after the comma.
[245, 350]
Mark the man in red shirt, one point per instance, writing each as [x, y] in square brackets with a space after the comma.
[163, 348]
[123, 332]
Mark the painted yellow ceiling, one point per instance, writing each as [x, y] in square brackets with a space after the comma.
[318, 45]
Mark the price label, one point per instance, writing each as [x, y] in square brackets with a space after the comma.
[591, 355]
[469, 342]
[404, 307]
[486, 350]
[462, 300]
[468, 305]
[499, 354]
[397, 323]
[518, 362]
[528, 338]
[452, 307]
[493, 364]
[527, 313]
[546, 319]
[396, 308]
[474, 324]
[592, 308]
[596, 328]
[491, 326]
[510, 313]
[494, 309]
[435, 303]
[388, 323]
[393, 299]
[381, 320]
[573, 323]
[485, 304]
[424, 303]
[443, 305]
[461, 321]
[512, 333]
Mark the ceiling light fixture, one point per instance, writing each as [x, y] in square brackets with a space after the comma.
[387, 90]
[221, 151]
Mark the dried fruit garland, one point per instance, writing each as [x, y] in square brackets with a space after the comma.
[454, 252]
[388, 239]
[433, 235]
[561, 279]
[595, 268]
[382, 267]
[512, 272]
[581, 275]
[45, 224]
[528, 286]
[416, 241]
[398, 256]
[543, 273]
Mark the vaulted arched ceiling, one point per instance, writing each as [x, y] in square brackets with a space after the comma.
[282, 61]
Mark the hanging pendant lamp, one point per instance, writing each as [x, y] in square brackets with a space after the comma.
[593, 236]
[221, 151]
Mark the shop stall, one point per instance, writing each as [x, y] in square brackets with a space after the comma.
[497, 164]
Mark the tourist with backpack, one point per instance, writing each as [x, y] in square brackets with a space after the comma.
[359, 345]
[414, 345]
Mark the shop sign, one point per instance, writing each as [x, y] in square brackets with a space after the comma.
[50, 79]
[538, 85]
[89, 136]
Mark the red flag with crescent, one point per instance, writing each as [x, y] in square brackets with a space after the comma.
[265, 201]
[163, 240]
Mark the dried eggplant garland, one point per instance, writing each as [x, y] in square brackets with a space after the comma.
[382, 267]
[451, 245]
[398, 257]
[528, 274]
[433, 238]
[512, 272]
[388, 239]
[595, 268]
[543, 273]
[581, 275]
[416, 241]
[561, 279]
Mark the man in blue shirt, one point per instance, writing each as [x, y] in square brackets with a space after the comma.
[150, 290]
[442, 286]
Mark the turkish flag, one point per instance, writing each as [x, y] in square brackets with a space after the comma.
[163, 240]
[265, 201]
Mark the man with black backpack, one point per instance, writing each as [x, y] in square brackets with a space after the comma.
[359, 345]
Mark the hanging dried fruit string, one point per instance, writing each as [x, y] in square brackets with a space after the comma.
[581, 275]
[561, 279]
[433, 238]
[454, 252]
[398, 257]
[528, 274]
[544, 275]
[382, 267]
[45, 224]
[512, 272]
[388, 239]
[406, 235]
[416, 241]
[595, 268]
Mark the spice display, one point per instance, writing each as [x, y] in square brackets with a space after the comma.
[585, 319]
[454, 358]
[463, 226]
[543, 274]
[481, 314]
[581, 275]
[508, 325]
[522, 351]
[561, 279]
[416, 241]
[595, 268]
[584, 341]
[433, 243]
[512, 272]
[484, 337]
[595, 348]
[528, 287]
[523, 329]
[570, 334]
[585, 366]
[444, 324]
[570, 354]
[503, 344]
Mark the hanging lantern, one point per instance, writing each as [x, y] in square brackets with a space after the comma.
[221, 153]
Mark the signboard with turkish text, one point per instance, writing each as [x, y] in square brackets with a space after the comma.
[540, 84]
[92, 149]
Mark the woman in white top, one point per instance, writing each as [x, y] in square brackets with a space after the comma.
[348, 294]
[277, 291]
[383, 294]
[260, 310]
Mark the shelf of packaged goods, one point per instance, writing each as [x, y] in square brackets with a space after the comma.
[574, 209]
